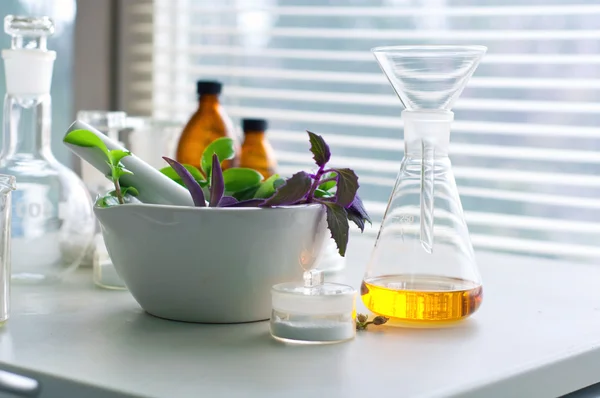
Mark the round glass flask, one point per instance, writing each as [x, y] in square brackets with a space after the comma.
[422, 271]
[52, 219]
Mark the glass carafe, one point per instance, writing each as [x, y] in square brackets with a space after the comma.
[422, 271]
[52, 219]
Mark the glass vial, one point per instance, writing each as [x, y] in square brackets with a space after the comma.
[52, 209]
[209, 122]
[7, 185]
[257, 152]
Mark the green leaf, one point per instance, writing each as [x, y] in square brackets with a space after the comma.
[267, 188]
[319, 149]
[107, 201]
[116, 155]
[129, 190]
[86, 138]
[337, 222]
[223, 147]
[278, 183]
[347, 186]
[319, 193]
[247, 193]
[118, 172]
[240, 178]
[292, 192]
[326, 186]
[110, 199]
[170, 172]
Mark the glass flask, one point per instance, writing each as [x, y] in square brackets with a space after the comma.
[422, 271]
[7, 185]
[52, 219]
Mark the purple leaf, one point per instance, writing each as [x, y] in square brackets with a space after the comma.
[319, 149]
[358, 214]
[347, 185]
[217, 186]
[293, 191]
[227, 201]
[246, 203]
[337, 222]
[190, 183]
[357, 207]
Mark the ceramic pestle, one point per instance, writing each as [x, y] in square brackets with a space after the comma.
[153, 186]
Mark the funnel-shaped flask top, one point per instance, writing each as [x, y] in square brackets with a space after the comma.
[429, 77]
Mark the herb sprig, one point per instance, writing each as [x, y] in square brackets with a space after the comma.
[334, 188]
[362, 321]
[113, 158]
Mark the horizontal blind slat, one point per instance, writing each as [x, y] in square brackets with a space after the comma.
[484, 193]
[477, 173]
[359, 56]
[523, 246]
[396, 34]
[508, 220]
[396, 123]
[383, 11]
[494, 151]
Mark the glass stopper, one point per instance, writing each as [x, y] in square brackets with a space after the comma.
[313, 278]
[28, 32]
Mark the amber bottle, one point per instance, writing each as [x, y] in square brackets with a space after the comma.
[257, 152]
[208, 123]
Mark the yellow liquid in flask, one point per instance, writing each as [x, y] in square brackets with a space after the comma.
[421, 300]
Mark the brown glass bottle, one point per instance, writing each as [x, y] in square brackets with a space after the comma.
[208, 123]
[257, 152]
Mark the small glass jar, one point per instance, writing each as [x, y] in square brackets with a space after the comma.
[314, 312]
[110, 124]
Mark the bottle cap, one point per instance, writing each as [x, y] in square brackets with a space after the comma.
[254, 124]
[208, 87]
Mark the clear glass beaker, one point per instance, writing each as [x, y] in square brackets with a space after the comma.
[422, 271]
[111, 124]
[52, 219]
[7, 185]
[150, 139]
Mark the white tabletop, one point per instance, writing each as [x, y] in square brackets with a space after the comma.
[537, 334]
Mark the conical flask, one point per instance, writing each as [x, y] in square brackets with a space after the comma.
[422, 271]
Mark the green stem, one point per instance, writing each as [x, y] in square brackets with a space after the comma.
[118, 191]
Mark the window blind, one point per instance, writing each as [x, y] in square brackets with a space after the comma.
[525, 141]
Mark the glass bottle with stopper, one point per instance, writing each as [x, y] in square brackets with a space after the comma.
[422, 271]
[52, 219]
